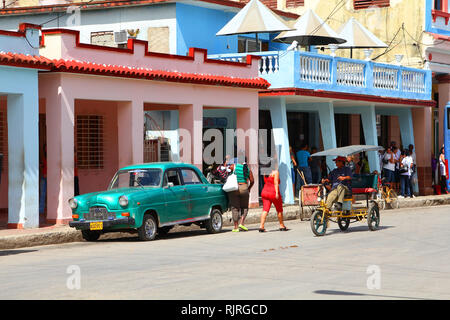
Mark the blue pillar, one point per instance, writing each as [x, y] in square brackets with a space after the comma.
[23, 158]
[326, 116]
[278, 115]
[369, 122]
[406, 126]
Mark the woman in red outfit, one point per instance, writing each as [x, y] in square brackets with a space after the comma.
[271, 194]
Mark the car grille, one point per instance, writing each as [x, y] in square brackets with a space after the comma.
[99, 213]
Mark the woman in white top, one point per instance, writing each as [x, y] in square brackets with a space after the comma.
[389, 166]
[406, 163]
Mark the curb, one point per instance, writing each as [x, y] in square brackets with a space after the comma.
[66, 234]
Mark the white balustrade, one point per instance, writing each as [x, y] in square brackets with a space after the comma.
[350, 74]
[268, 64]
[385, 78]
[413, 81]
[314, 69]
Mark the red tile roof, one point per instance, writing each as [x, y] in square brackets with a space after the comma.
[72, 66]
[120, 3]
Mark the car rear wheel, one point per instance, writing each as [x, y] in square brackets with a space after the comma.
[89, 235]
[149, 228]
[215, 222]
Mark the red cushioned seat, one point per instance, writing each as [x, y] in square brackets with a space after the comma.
[363, 190]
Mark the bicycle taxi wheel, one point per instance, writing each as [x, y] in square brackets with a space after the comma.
[319, 223]
[373, 217]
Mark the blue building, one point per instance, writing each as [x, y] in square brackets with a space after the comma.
[19, 105]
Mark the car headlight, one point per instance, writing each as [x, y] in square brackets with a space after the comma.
[123, 201]
[73, 203]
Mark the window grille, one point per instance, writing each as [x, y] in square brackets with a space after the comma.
[364, 4]
[89, 141]
[294, 3]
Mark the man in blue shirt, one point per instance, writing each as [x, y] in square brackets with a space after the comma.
[303, 159]
[341, 183]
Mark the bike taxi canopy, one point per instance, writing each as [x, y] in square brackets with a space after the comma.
[347, 151]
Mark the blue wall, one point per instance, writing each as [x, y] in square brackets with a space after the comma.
[197, 27]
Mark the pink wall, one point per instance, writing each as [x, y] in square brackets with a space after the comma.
[63, 44]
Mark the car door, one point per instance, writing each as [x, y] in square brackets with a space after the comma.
[198, 192]
[177, 204]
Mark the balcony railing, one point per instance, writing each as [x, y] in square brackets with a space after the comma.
[323, 72]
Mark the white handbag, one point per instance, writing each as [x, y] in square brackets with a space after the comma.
[231, 184]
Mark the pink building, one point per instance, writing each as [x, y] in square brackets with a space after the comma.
[93, 100]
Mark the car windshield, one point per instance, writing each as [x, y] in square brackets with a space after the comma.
[136, 178]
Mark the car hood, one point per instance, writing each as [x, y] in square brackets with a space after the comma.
[109, 198]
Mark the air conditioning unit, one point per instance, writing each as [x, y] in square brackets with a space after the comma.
[120, 37]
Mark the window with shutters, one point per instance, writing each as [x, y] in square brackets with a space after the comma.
[89, 141]
[269, 3]
[158, 39]
[294, 3]
[364, 4]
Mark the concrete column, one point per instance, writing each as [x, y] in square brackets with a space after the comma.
[23, 160]
[444, 99]
[280, 133]
[60, 110]
[369, 122]
[130, 133]
[326, 116]
[247, 124]
[191, 134]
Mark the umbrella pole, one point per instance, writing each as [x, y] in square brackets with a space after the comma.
[257, 44]
[351, 53]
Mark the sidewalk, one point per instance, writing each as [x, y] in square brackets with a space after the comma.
[56, 234]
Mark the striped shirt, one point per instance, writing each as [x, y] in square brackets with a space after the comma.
[239, 170]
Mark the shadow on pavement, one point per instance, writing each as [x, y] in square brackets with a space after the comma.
[360, 228]
[346, 293]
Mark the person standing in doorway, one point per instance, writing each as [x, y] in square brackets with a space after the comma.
[43, 179]
[303, 159]
[442, 172]
[239, 199]
[271, 194]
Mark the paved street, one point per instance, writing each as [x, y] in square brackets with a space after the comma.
[411, 253]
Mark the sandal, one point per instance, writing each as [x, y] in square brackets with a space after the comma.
[284, 229]
[262, 230]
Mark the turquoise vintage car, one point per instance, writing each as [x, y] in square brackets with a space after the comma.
[150, 198]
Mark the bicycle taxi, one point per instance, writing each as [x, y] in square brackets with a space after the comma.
[363, 185]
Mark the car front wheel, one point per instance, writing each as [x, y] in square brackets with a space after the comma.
[214, 223]
[149, 228]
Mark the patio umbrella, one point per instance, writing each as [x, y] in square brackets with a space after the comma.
[256, 18]
[310, 30]
[358, 36]
[347, 151]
